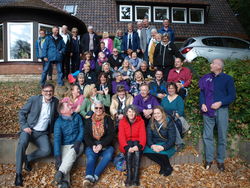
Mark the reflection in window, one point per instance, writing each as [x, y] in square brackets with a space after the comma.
[70, 9]
[196, 15]
[1, 41]
[20, 41]
[142, 12]
[179, 15]
[125, 13]
[47, 28]
[160, 13]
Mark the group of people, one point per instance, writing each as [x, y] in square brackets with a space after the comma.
[120, 92]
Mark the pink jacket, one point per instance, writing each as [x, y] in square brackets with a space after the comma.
[110, 44]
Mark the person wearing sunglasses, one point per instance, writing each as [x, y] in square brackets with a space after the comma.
[36, 120]
[98, 135]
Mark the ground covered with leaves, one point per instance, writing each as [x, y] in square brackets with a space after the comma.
[237, 175]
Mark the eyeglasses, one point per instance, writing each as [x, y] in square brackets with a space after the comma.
[47, 91]
[100, 108]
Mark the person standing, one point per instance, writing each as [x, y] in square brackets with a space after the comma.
[53, 51]
[75, 50]
[167, 29]
[66, 56]
[36, 119]
[217, 91]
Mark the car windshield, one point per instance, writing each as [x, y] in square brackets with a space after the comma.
[188, 42]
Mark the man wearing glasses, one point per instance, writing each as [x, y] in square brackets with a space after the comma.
[36, 120]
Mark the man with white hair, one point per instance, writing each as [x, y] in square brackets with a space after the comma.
[217, 91]
[90, 42]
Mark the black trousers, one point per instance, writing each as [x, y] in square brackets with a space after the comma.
[160, 159]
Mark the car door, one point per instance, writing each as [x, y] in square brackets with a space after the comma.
[239, 48]
[213, 48]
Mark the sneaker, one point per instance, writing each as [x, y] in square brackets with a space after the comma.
[208, 165]
[87, 182]
[221, 167]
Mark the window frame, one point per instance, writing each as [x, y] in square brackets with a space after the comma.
[32, 42]
[74, 7]
[45, 25]
[154, 14]
[131, 13]
[149, 12]
[202, 17]
[2, 60]
[185, 15]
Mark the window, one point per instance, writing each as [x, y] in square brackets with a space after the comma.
[47, 28]
[213, 42]
[196, 15]
[161, 13]
[179, 15]
[71, 9]
[235, 43]
[188, 42]
[125, 13]
[1, 42]
[142, 12]
[20, 41]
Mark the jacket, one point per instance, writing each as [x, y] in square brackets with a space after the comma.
[67, 132]
[147, 104]
[135, 42]
[115, 62]
[164, 55]
[107, 137]
[110, 44]
[134, 132]
[85, 43]
[39, 47]
[169, 133]
[184, 75]
[115, 104]
[169, 31]
[30, 112]
[53, 49]
[155, 89]
[118, 43]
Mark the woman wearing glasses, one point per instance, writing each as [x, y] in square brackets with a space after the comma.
[98, 134]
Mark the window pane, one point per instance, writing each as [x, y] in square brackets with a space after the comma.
[1, 41]
[196, 15]
[213, 42]
[142, 12]
[125, 13]
[20, 41]
[161, 14]
[178, 15]
[235, 43]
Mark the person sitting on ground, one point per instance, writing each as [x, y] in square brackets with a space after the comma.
[107, 41]
[98, 136]
[36, 120]
[182, 76]
[119, 102]
[89, 75]
[80, 81]
[132, 140]
[126, 71]
[118, 81]
[103, 83]
[90, 98]
[147, 74]
[158, 87]
[145, 103]
[68, 142]
[74, 98]
[105, 50]
[136, 83]
[135, 61]
[161, 136]
[87, 58]
[107, 69]
[115, 59]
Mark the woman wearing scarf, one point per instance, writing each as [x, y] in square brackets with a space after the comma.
[161, 136]
[132, 140]
[98, 134]
[118, 40]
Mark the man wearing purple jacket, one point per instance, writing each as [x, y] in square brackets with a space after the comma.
[217, 91]
[145, 102]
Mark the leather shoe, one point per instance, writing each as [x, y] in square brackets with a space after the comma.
[208, 165]
[221, 167]
[19, 180]
[27, 165]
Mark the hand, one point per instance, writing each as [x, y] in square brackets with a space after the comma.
[204, 108]
[179, 86]
[27, 130]
[76, 146]
[71, 54]
[58, 161]
[99, 147]
[45, 59]
[216, 105]
[95, 149]
[135, 148]
[138, 50]
[142, 51]
[81, 55]
[106, 91]
[120, 116]
[130, 150]
[160, 95]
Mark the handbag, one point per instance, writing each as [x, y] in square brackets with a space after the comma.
[185, 125]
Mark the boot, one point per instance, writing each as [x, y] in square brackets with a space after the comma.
[129, 165]
[19, 180]
[137, 159]
[168, 168]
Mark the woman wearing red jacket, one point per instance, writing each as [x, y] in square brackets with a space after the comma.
[132, 140]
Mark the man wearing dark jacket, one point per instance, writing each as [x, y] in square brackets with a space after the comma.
[53, 51]
[115, 59]
[36, 120]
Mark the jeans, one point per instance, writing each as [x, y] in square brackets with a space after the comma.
[40, 139]
[46, 68]
[221, 120]
[92, 157]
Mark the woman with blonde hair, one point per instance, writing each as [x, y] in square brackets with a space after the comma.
[118, 40]
[107, 41]
[91, 96]
[136, 83]
[161, 136]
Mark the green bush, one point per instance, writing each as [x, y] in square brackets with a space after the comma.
[239, 113]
